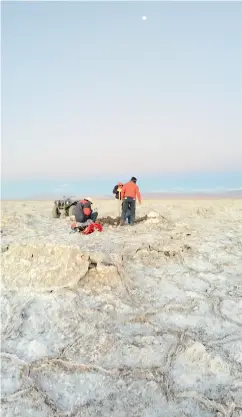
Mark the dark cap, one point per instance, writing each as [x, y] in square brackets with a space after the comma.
[133, 179]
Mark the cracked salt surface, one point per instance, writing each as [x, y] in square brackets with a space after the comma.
[143, 321]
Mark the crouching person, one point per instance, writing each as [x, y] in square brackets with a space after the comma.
[84, 212]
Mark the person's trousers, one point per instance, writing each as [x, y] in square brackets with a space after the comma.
[129, 204]
[93, 216]
[128, 215]
[81, 218]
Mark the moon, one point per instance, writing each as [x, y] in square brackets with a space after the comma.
[144, 17]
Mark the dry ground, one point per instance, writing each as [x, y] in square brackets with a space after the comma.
[139, 321]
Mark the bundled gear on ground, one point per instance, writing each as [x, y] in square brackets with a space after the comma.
[87, 228]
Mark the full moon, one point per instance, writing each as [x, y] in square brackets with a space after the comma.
[143, 17]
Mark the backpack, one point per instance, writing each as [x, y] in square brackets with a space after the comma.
[86, 230]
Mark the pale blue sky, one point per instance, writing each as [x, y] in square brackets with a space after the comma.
[90, 89]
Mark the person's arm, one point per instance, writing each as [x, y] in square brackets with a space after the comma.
[123, 192]
[138, 194]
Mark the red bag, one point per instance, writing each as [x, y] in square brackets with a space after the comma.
[91, 228]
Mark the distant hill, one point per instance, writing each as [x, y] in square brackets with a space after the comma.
[149, 195]
[195, 194]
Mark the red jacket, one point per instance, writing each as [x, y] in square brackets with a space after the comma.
[130, 189]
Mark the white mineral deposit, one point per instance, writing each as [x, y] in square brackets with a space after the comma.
[139, 321]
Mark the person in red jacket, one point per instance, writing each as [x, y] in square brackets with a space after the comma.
[129, 193]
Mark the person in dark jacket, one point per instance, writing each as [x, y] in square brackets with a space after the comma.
[117, 191]
[84, 212]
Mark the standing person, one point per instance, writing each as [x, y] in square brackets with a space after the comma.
[84, 212]
[129, 193]
[117, 191]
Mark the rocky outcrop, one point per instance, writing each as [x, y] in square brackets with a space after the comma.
[40, 268]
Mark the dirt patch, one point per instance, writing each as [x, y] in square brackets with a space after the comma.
[110, 221]
[141, 219]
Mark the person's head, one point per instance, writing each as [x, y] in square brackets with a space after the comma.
[120, 184]
[133, 179]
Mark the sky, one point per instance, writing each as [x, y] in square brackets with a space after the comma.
[93, 94]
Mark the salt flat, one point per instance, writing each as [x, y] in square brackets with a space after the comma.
[139, 321]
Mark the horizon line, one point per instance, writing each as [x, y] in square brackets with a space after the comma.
[230, 193]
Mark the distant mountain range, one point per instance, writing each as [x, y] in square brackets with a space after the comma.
[195, 194]
[156, 195]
